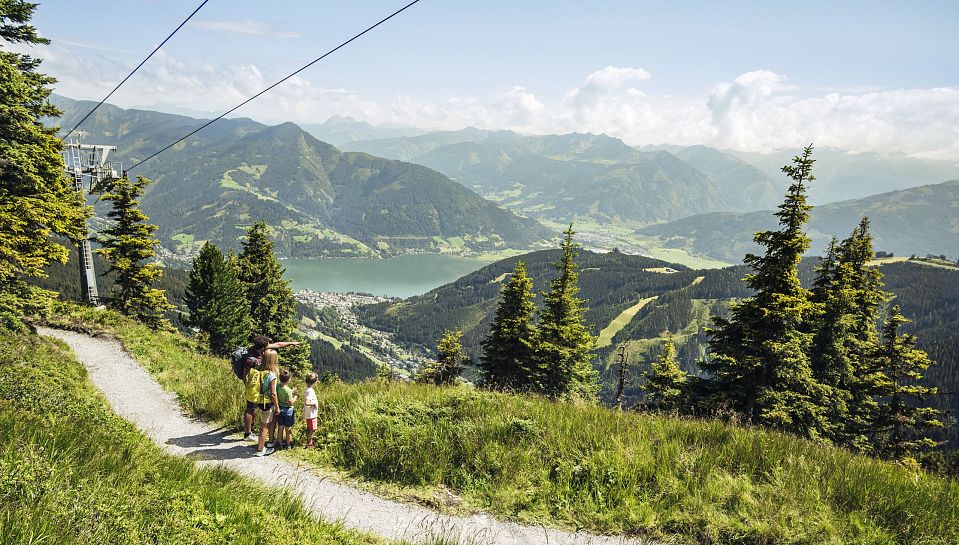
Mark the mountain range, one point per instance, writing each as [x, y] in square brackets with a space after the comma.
[920, 220]
[574, 176]
[317, 200]
[842, 175]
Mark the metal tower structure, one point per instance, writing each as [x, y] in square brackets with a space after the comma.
[91, 171]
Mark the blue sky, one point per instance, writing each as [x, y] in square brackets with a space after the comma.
[865, 76]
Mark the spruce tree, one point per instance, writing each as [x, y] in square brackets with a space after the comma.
[903, 419]
[563, 343]
[760, 355]
[507, 361]
[36, 198]
[272, 304]
[130, 248]
[665, 381]
[848, 293]
[449, 360]
[217, 300]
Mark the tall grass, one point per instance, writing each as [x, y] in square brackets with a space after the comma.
[584, 466]
[73, 472]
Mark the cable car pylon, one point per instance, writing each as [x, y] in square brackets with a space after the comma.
[89, 167]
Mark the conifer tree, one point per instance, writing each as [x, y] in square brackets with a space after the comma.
[217, 300]
[665, 381]
[272, 305]
[129, 246]
[760, 355]
[507, 361]
[848, 294]
[36, 198]
[449, 360]
[563, 343]
[903, 420]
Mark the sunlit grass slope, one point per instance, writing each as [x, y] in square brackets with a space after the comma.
[73, 472]
[581, 466]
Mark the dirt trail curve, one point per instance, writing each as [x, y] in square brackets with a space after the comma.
[134, 395]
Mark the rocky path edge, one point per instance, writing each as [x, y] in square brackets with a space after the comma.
[136, 396]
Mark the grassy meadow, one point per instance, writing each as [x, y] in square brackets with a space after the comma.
[73, 472]
[588, 467]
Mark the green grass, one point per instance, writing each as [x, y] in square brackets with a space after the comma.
[73, 472]
[618, 323]
[582, 466]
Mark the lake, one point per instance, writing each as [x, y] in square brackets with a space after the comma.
[400, 276]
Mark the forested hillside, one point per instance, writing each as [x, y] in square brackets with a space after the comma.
[316, 200]
[921, 220]
[684, 301]
[610, 282]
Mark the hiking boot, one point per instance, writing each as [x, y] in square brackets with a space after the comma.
[264, 452]
[249, 437]
[270, 444]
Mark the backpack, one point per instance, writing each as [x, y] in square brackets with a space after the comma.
[238, 361]
[265, 380]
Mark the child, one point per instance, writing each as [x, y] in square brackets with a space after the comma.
[269, 406]
[310, 406]
[286, 398]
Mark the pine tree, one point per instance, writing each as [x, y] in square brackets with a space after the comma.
[760, 355]
[563, 343]
[217, 300]
[128, 244]
[272, 305]
[665, 381]
[507, 361]
[848, 293]
[36, 198]
[902, 420]
[449, 360]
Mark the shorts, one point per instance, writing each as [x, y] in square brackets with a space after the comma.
[266, 413]
[310, 424]
[251, 407]
[286, 417]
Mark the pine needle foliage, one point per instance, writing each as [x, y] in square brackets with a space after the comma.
[507, 361]
[665, 381]
[760, 355]
[563, 343]
[130, 247]
[903, 419]
[217, 300]
[849, 294]
[268, 294]
[450, 360]
[36, 198]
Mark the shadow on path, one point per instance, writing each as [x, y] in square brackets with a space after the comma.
[220, 445]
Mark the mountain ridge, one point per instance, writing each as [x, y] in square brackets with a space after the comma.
[919, 220]
[317, 200]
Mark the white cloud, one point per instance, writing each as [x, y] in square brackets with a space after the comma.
[756, 111]
[613, 77]
[244, 26]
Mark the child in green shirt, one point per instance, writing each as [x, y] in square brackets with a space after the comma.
[286, 398]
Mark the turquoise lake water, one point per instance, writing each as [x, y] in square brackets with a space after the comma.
[401, 276]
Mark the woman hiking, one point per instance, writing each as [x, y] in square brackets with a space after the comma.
[270, 405]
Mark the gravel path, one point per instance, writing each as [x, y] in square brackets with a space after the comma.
[134, 395]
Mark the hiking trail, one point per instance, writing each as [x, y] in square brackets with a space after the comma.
[137, 397]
